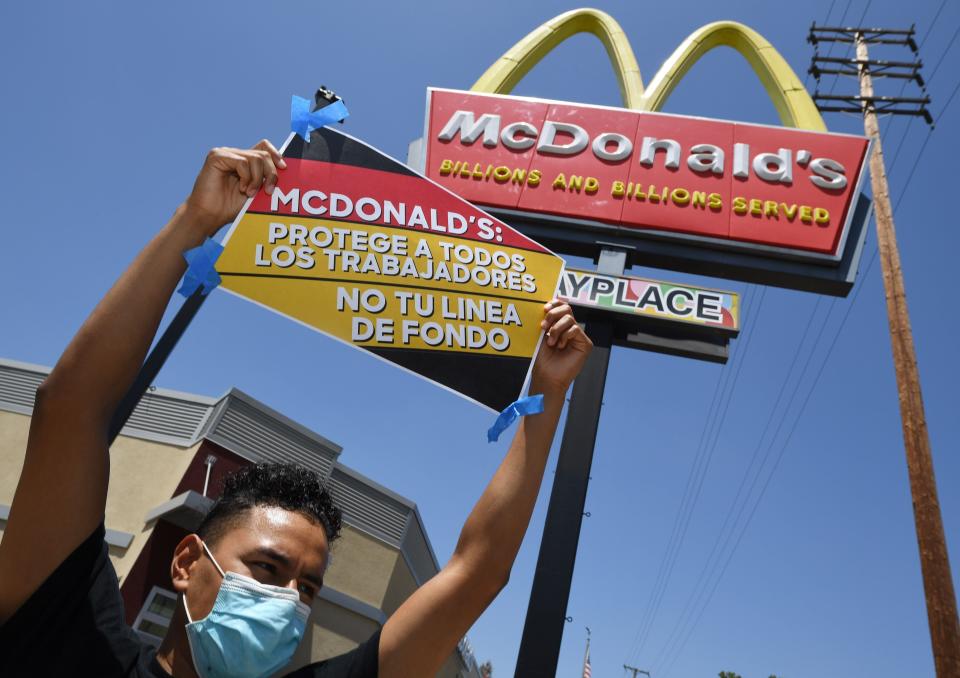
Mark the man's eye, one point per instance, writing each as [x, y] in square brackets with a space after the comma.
[269, 567]
[308, 590]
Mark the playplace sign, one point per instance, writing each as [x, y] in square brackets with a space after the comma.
[653, 299]
[744, 192]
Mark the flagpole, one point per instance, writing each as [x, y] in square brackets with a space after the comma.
[586, 655]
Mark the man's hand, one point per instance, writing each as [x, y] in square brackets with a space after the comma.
[228, 177]
[563, 352]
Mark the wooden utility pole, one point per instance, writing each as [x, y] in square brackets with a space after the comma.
[934, 562]
[635, 671]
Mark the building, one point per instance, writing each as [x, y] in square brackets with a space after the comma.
[166, 468]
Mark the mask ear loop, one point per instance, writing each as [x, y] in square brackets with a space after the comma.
[216, 565]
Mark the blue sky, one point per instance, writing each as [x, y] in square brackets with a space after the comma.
[109, 109]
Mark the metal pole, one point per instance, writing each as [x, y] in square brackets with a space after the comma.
[934, 561]
[154, 362]
[547, 610]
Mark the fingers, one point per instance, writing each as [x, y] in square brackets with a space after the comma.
[236, 163]
[254, 168]
[558, 329]
[575, 336]
[561, 327]
[275, 156]
[554, 310]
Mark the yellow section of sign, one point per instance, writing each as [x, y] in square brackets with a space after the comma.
[385, 316]
[274, 245]
[380, 287]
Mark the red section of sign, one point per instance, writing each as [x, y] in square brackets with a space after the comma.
[795, 212]
[454, 163]
[678, 199]
[584, 174]
[323, 190]
[756, 208]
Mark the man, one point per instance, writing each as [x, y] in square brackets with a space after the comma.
[247, 578]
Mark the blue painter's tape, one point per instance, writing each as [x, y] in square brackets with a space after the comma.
[303, 121]
[200, 268]
[519, 408]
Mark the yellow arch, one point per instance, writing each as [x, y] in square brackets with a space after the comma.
[789, 96]
[517, 61]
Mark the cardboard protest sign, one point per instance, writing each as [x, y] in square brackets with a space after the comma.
[356, 245]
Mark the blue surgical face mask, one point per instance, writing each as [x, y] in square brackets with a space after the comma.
[252, 630]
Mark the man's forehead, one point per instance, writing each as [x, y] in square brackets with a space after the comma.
[288, 533]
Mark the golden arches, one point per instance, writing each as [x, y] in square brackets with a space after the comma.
[789, 97]
[517, 61]
[784, 88]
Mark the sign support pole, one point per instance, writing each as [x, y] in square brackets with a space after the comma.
[547, 610]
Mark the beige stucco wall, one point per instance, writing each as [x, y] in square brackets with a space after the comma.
[143, 474]
[362, 566]
[13, 444]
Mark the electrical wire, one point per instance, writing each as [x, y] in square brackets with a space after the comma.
[696, 592]
[674, 653]
[695, 480]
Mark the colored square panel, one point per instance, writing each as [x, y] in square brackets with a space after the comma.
[798, 214]
[659, 197]
[580, 184]
[483, 174]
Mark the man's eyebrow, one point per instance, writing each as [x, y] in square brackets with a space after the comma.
[284, 560]
[273, 554]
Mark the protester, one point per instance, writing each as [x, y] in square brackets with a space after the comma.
[245, 581]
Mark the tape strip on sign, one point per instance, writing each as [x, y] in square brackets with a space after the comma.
[356, 245]
[201, 271]
[518, 408]
[303, 121]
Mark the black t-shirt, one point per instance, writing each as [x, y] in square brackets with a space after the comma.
[74, 625]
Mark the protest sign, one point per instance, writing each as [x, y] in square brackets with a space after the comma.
[356, 245]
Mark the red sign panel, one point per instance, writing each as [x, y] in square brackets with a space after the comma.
[775, 190]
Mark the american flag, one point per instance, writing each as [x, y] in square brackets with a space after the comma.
[586, 665]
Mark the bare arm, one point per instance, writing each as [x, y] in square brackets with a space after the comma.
[62, 489]
[419, 637]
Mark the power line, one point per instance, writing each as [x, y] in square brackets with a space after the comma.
[703, 598]
[826, 22]
[655, 594]
[923, 146]
[704, 574]
[903, 87]
[830, 48]
[695, 479]
[676, 652]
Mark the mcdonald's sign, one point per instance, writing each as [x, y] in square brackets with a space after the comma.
[759, 203]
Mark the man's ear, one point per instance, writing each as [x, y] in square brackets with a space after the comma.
[187, 553]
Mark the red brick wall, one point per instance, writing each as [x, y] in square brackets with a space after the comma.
[152, 567]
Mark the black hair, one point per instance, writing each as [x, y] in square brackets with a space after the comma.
[287, 486]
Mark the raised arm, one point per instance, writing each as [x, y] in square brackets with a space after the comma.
[62, 489]
[419, 637]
